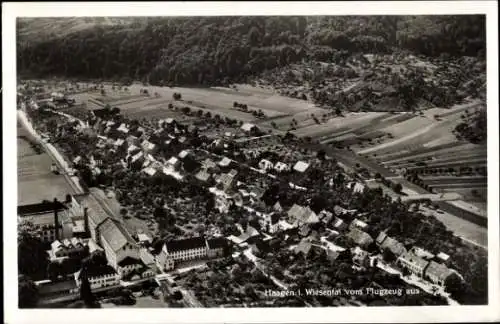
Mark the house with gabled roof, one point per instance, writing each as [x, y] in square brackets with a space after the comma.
[359, 237]
[438, 273]
[413, 263]
[203, 175]
[98, 276]
[265, 165]
[281, 167]
[225, 162]
[175, 251]
[302, 215]
[304, 247]
[173, 163]
[123, 128]
[384, 242]
[358, 224]
[277, 207]
[443, 256]
[301, 166]
[208, 163]
[117, 242]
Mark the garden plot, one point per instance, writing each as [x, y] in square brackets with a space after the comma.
[433, 159]
[415, 132]
[145, 103]
[384, 122]
[422, 151]
[478, 163]
[432, 180]
[302, 118]
[351, 120]
[407, 127]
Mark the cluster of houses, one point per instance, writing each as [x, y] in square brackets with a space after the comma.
[416, 261]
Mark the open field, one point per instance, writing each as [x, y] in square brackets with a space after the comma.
[423, 130]
[214, 100]
[470, 232]
[337, 125]
[35, 179]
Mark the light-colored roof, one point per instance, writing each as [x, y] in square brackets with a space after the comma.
[123, 128]
[301, 166]
[137, 156]
[143, 237]
[115, 234]
[56, 245]
[202, 175]
[303, 214]
[265, 164]
[93, 246]
[225, 161]
[277, 206]
[303, 247]
[443, 256]
[358, 223]
[132, 147]
[208, 163]
[147, 145]
[149, 171]
[281, 166]
[338, 222]
[183, 154]
[247, 127]
[173, 160]
[119, 142]
[418, 251]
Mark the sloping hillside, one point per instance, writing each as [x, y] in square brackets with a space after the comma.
[221, 50]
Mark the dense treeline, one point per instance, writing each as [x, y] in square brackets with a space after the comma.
[474, 129]
[210, 50]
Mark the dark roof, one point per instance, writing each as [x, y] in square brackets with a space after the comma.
[186, 244]
[129, 261]
[216, 243]
[40, 208]
[97, 271]
[275, 218]
[101, 113]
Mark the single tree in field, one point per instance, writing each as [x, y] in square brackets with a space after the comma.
[398, 188]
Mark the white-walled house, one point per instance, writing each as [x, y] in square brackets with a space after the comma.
[265, 165]
[99, 277]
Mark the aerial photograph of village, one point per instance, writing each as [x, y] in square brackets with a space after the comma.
[251, 161]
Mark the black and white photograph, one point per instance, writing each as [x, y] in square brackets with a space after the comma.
[232, 160]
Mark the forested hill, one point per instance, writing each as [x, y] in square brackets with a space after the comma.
[214, 50]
